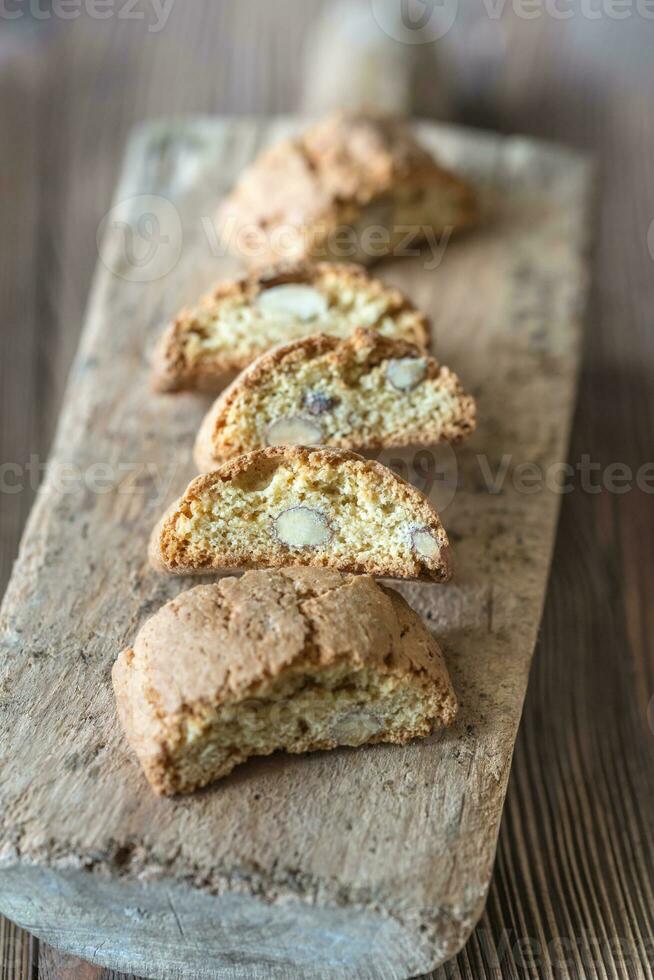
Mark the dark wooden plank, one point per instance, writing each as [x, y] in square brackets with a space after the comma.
[18, 953]
[55, 965]
[20, 81]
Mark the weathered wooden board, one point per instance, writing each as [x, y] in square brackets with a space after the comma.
[360, 864]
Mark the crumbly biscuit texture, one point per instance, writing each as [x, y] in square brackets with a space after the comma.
[288, 505]
[208, 344]
[296, 659]
[365, 392]
[348, 188]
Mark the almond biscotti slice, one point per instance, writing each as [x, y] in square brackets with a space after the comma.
[354, 187]
[206, 345]
[204, 688]
[365, 392]
[299, 506]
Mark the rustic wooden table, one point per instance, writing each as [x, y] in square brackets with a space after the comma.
[572, 894]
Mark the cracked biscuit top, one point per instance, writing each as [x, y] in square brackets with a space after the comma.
[296, 659]
[350, 172]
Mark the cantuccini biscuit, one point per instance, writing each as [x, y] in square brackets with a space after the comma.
[303, 506]
[296, 659]
[206, 345]
[356, 186]
[365, 392]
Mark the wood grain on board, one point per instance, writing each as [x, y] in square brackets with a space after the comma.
[385, 852]
[575, 860]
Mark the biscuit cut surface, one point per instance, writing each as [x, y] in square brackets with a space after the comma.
[365, 392]
[354, 187]
[240, 320]
[296, 660]
[289, 505]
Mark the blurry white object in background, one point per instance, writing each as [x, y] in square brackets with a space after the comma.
[357, 54]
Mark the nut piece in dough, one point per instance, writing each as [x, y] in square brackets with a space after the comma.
[203, 688]
[302, 527]
[317, 402]
[406, 373]
[293, 430]
[358, 516]
[201, 349]
[293, 299]
[425, 544]
[355, 726]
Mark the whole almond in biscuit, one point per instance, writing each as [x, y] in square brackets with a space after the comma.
[365, 392]
[295, 505]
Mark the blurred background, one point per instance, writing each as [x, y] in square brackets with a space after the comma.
[576, 849]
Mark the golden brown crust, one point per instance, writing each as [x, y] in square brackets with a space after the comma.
[211, 450]
[361, 154]
[210, 646]
[166, 551]
[173, 369]
[325, 179]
